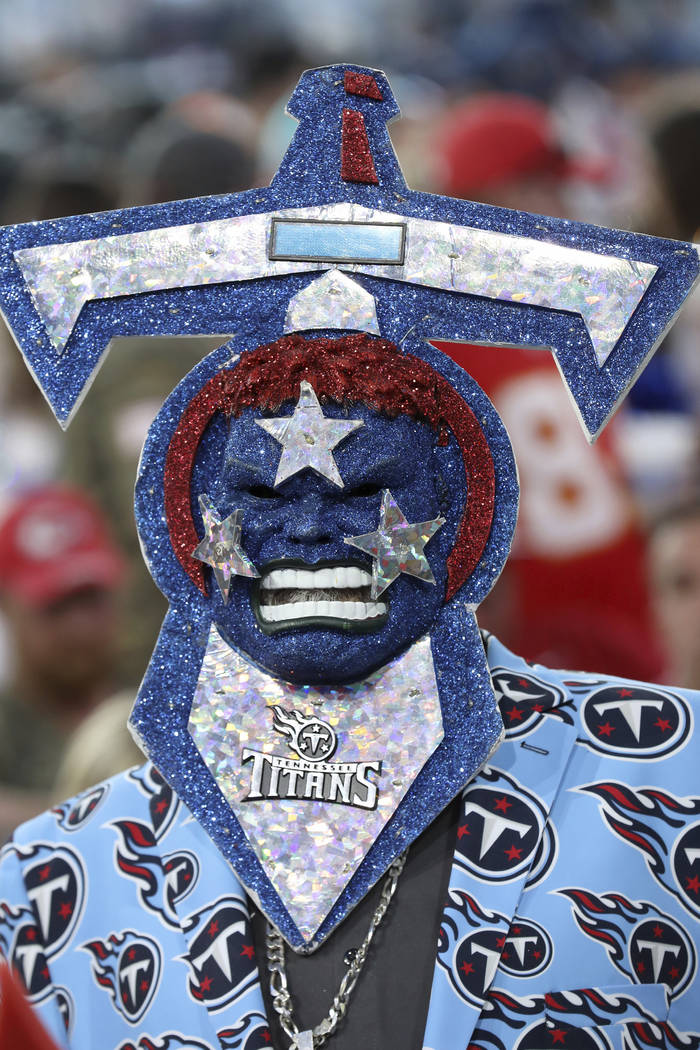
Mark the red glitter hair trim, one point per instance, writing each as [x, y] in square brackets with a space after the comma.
[179, 463]
[346, 370]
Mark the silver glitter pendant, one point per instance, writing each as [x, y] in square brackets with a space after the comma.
[314, 774]
[303, 1041]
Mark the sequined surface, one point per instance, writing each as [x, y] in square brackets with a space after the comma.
[193, 266]
[332, 301]
[308, 438]
[396, 546]
[604, 290]
[310, 850]
[470, 718]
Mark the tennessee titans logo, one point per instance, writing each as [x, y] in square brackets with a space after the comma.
[500, 829]
[470, 945]
[251, 1033]
[55, 883]
[72, 815]
[525, 701]
[163, 882]
[166, 1041]
[221, 954]
[644, 943]
[528, 949]
[21, 944]
[163, 803]
[685, 860]
[662, 953]
[552, 1034]
[634, 722]
[128, 965]
[642, 818]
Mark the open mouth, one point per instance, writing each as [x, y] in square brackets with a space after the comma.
[337, 594]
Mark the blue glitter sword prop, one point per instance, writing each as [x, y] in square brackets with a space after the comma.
[600, 299]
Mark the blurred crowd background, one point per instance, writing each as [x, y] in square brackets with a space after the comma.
[588, 109]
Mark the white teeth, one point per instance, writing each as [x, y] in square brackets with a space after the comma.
[305, 582]
[328, 609]
[340, 577]
[279, 578]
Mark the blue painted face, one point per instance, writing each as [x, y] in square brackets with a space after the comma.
[291, 621]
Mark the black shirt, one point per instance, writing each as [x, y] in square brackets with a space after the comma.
[389, 1004]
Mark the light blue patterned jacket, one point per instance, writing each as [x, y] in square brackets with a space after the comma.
[572, 918]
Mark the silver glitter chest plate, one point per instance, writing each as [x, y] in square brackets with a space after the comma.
[314, 774]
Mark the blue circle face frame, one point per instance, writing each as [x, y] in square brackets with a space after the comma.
[303, 523]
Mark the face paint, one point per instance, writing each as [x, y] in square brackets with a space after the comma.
[312, 617]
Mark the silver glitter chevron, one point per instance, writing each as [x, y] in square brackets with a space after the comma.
[603, 289]
[332, 301]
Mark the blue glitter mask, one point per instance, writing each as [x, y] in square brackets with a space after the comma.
[261, 264]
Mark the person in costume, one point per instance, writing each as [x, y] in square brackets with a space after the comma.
[457, 847]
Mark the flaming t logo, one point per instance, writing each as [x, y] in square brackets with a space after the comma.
[312, 738]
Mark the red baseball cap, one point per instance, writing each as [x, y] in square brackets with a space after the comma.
[53, 541]
[494, 137]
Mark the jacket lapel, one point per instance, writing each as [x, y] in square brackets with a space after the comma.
[503, 841]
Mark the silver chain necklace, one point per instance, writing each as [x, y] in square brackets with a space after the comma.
[312, 1038]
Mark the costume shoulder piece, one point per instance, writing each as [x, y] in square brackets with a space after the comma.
[326, 499]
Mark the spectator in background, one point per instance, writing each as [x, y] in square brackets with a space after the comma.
[100, 747]
[60, 576]
[674, 571]
[503, 149]
[574, 591]
[201, 145]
